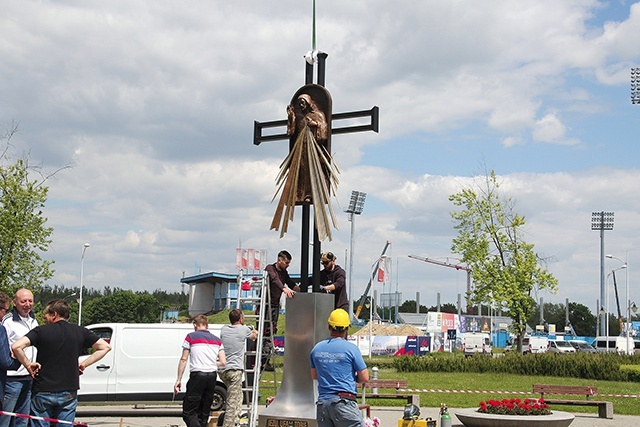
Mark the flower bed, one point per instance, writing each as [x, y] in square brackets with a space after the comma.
[515, 407]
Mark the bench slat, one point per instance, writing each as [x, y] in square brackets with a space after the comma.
[605, 409]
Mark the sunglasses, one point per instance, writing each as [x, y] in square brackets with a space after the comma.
[325, 262]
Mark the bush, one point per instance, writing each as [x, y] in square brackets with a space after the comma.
[579, 365]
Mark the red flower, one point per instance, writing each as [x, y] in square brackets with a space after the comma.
[515, 407]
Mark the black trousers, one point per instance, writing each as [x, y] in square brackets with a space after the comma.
[196, 406]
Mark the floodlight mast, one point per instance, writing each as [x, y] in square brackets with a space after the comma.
[635, 86]
[356, 205]
[602, 221]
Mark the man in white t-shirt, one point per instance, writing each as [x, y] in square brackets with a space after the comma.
[205, 354]
[18, 322]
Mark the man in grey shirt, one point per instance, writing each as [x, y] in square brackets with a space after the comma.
[233, 338]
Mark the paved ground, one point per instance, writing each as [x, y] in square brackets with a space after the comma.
[169, 416]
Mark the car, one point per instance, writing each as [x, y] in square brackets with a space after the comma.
[582, 346]
[560, 347]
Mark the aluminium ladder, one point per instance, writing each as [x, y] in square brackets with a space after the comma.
[260, 297]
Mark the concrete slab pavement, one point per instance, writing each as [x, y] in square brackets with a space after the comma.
[169, 416]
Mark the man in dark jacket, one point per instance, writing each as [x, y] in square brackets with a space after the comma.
[333, 280]
[279, 283]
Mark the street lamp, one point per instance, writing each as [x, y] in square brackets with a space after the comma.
[84, 249]
[627, 299]
[69, 296]
[356, 205]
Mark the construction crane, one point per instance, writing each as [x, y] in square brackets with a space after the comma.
[373, 275]
[448, 264]
[615, 288]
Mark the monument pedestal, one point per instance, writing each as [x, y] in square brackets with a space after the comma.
[305, 325]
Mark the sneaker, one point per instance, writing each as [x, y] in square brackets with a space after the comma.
[268, 367]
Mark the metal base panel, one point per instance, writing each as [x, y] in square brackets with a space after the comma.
[306, 324]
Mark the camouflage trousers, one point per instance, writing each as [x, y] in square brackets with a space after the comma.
[232, 378]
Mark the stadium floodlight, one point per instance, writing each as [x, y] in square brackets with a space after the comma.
[635, 85]
[602, 221]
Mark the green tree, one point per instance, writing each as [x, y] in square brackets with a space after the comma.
[409, 306]
[504, 268]
[582, 320]
[24, 235]
[447, 307]
[122, 307]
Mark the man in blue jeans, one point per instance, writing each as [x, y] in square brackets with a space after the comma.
[56, 373]
[17, 392]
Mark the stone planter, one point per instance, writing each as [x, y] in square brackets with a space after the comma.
[470, 417]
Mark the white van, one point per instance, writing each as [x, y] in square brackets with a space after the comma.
[535, 344]
[616, 345]
[476, 343]
[141, 365]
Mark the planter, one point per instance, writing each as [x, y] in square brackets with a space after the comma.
[470, 417]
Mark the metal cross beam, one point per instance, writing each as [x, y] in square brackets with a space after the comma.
[373, 114]
[259, 137]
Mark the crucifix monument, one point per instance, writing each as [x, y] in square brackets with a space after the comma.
[308, 176]
[310, 125]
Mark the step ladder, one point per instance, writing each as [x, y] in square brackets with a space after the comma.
[259, 296]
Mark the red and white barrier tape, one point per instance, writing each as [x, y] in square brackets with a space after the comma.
[434, 390]
[51, 420]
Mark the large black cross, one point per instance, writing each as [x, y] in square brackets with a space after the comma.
[258, 138]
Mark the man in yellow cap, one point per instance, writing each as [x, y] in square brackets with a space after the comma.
[333, 280]
[338, 365]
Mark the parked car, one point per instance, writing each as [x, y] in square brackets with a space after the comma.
[560, 347]
[582, 346]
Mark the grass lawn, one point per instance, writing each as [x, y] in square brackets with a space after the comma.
[510, 383]
[475, 381]
[489, 382]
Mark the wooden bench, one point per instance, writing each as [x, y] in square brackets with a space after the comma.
[396, 385]
[605, 409]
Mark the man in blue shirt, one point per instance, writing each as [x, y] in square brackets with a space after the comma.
[338, 365]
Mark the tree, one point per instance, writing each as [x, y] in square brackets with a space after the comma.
[409, 306]
[24, 235]
[504, 268]
[122, 307]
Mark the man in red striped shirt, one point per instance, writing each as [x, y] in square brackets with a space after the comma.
[205, 353]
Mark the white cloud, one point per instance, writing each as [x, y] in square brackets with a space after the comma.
[153, 104]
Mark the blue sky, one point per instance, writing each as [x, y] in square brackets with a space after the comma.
[153, 103]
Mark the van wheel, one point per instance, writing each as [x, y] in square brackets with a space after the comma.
[219, 398]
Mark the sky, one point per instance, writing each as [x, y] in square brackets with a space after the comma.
[147, 108]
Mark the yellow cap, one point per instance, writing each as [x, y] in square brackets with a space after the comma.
[339, 319]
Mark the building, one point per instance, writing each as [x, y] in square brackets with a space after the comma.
[212, 292]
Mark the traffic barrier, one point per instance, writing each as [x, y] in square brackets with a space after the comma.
[51, 420]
